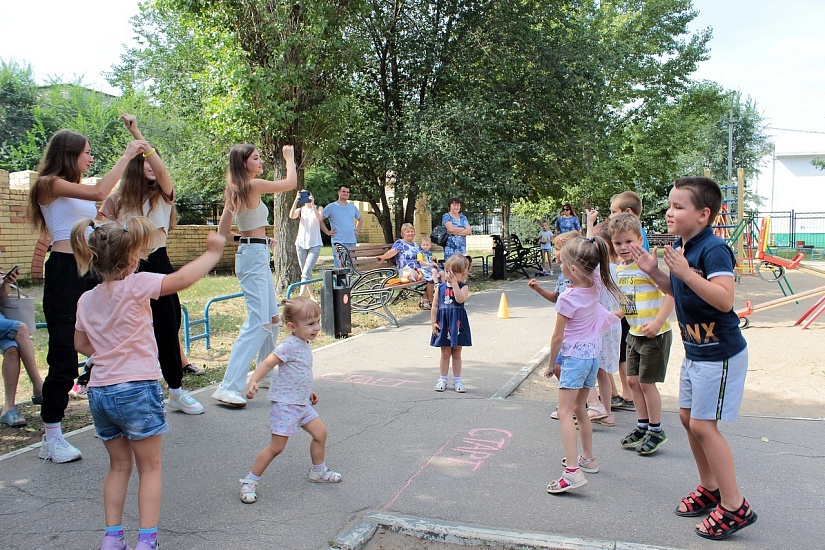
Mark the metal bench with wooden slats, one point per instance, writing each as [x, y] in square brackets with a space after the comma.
[369, 278]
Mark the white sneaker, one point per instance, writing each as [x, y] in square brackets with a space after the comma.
[58, 450]
[229, 397]
[185, 403]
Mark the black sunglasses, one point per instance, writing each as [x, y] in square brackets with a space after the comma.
[567, 209]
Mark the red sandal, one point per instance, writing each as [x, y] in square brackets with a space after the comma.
[699, 503]
[721, 523]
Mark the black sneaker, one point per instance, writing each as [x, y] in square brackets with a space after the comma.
[192, 369]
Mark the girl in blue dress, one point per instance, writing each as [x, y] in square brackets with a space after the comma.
[451, 327]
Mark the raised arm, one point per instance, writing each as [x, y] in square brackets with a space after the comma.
[100, 190]
[261, 187]
[154, 160]
[195, 270]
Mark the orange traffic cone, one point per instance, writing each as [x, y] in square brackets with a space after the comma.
[503, 310]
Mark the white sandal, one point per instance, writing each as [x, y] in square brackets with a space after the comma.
[249, 493]
[327, 476]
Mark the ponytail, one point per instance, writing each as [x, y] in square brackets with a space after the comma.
[113, 248]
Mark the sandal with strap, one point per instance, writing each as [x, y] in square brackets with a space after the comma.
[13, 418]
[249, 493]
[699, 502]
[721, 523]
[326, 476]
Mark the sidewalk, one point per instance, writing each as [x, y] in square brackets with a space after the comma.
[406, 450]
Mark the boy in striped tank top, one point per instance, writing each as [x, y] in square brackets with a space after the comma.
[648, 344]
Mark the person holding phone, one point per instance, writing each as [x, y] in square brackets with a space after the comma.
[16, 344]
[308, 242]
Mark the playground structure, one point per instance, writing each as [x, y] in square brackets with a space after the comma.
[777, 266]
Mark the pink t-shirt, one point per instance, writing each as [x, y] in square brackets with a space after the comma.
[587, 321]
[118, 321]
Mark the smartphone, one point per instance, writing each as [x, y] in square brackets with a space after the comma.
[11, 271]
[303, 197]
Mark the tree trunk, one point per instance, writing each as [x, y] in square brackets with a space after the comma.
[285, 230]
[505, 218]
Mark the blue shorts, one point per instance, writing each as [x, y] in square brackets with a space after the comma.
[8, 332]
[713, 390]
[578, 373]
[286, 418]
[131, 409]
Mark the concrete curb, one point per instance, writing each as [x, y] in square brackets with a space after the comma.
[357, 536]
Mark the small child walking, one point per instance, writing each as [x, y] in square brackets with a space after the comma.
[450, 324]
[292, 397]
[546, 245]
[114, 323]
[580, 322]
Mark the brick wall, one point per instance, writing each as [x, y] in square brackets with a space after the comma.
[21, 246]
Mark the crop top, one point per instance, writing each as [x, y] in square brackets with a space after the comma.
[251, 219]
[63, 213]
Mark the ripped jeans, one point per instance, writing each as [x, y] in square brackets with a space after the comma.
[258, 333]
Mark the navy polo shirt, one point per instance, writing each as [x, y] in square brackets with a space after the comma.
[708, 334]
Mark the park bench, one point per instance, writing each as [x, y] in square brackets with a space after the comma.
[517, 256]
[660, 239]
[372, 289]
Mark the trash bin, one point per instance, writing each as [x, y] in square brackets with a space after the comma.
[499, 259]
[336, 310]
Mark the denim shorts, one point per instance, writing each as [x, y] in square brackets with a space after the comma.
[286, 418]
[578, 373]
[8, 333]
[131, 409]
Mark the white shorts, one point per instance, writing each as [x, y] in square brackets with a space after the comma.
[713, 390]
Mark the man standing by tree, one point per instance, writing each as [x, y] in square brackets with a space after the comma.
[341, 214]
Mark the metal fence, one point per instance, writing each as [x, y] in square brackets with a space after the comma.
[794, 229]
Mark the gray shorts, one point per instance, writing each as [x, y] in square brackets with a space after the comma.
[713, 390]
[647, 357]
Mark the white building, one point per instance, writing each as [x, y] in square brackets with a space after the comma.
[788, 180]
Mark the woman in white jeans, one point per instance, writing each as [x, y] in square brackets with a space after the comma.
[243, 204]
[308, 242]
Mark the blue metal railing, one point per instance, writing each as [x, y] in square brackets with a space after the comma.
[300, 283]
[205, 335]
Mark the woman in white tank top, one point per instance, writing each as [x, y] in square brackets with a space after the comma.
[57, 201]
[243, 203]
[147, 190]
[308, 242]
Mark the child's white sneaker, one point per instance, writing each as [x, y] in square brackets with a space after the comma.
[324, 476]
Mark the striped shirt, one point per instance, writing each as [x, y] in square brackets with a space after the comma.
[644, 299]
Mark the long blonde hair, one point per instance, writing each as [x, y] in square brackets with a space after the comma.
[588, 254]
[59, 161]
[238, 186]
[113, 249]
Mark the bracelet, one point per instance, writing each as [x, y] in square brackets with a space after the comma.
[149, 154]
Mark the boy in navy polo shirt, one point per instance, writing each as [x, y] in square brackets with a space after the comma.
[713, 373]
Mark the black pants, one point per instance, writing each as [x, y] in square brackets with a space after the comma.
[61, 291]
[166, 319]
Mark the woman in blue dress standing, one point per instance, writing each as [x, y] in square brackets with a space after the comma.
[458, 227]
[568, 220]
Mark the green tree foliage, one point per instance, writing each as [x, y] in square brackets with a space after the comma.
[270, 73]
[18, 97]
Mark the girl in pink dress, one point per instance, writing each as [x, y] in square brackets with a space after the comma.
[580, 322]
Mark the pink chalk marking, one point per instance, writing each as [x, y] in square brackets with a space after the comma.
[364, 380]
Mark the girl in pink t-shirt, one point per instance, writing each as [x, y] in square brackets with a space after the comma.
[114, 324]
[580, 322]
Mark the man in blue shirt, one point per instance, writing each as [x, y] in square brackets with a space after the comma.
[341, 215]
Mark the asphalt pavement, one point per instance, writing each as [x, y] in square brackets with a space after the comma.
[478, 459]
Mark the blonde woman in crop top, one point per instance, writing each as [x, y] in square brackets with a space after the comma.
[57, 201]
[146, 190]
[243, 204]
